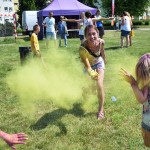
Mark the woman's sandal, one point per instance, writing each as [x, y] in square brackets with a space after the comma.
[100, 116]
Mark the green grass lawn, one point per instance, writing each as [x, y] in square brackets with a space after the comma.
[52, 127]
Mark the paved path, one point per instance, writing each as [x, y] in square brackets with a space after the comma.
[141, 28]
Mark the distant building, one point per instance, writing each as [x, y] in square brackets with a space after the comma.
[16, 5]
[146, 15]
[7, 9]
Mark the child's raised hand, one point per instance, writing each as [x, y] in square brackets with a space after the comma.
[127, 76]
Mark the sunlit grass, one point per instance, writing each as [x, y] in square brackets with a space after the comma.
[76, 128]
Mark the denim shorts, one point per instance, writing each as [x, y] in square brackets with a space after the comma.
[99, 65]
[81, 37]
[125, 33]
[50, 35]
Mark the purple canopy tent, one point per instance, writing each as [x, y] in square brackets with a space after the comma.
[62, 7]
[65, 7]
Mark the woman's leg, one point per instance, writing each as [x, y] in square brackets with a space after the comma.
[60, 40]
[101, 93]
[130, 38]
[127, 40]
[101, 32]
[65, 39]
[47, 40]
[122, 41]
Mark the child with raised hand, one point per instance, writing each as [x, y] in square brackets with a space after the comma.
[141, 89]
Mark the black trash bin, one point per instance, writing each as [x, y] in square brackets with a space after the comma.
[24, 52]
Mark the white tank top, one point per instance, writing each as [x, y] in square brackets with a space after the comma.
[88, 22]
[127, 25]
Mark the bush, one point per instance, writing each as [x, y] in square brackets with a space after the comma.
[107, 23]
[137, 22]
[6, 29]
[9, 29]
[147, 22]
[141, 22]
[19, 30]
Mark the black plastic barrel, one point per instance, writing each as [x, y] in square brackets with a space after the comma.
[24, 52]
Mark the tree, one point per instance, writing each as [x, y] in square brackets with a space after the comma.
[87, 2]
[134, 7]
[40, 4]
[98, 4]
[25, 5]
[31, 5]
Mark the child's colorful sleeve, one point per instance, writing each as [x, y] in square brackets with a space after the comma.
[82, 53]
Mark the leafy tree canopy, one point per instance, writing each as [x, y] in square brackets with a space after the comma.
[30, 5]
[134, 7]
[88, 2]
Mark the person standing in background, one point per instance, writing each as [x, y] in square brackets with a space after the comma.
[81, 27]
[34, 41]
[99, 24]
[117, 23]
[131, 32]
[87, 20]
[49, 23]
[117, 26]
[125, 29]
[62, 31]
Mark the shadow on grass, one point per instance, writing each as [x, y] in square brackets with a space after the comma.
[54, 117]
[113, 48]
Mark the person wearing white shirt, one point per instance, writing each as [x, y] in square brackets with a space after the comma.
[81, 27]
[125, 28]
[87, 20]
[49, 23]
[99, 24]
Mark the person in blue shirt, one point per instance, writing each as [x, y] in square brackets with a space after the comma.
[62, 31]
[99, 24]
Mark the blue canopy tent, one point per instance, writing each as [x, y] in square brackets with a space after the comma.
[62, 8]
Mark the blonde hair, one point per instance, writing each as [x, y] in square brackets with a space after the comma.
[128, 14]
[143, 70]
